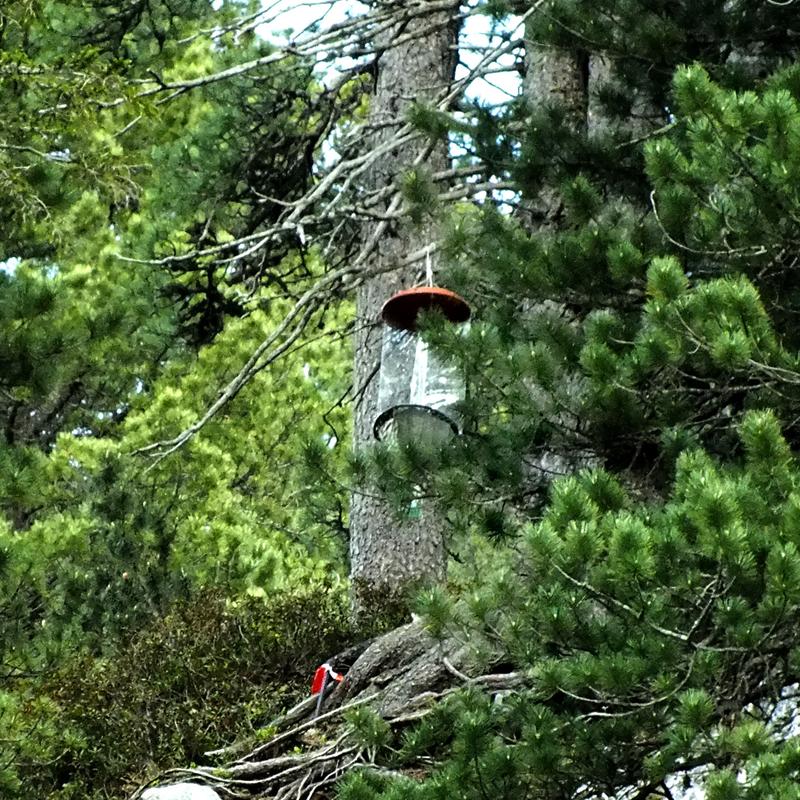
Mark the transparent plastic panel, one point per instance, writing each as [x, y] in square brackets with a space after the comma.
[436, 383]
[397, 366]
[419, 391]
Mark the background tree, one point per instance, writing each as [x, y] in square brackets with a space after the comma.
[629, 625]
[102, 355]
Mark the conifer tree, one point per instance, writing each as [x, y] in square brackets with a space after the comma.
[618, 632]
[632, 628]
[392, 555]
[648, 607]
[629, 631]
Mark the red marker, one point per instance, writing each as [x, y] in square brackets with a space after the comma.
[322, 676]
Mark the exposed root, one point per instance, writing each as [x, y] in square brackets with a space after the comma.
[401, 675]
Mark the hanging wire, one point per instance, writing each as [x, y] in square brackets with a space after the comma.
[428, 266]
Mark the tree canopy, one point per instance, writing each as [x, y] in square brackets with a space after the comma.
[184, 199]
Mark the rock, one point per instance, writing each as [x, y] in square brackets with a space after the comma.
[181, 791]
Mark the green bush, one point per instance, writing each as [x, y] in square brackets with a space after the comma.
[210, 672]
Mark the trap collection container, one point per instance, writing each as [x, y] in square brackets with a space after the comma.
[420, 391]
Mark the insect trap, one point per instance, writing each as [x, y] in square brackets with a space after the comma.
[420, 391]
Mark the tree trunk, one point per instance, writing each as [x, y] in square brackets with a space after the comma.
[389, 555]
[553, 77]
[645, 115]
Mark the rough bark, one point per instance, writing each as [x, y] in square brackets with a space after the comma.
[389, 555]
[402, 669]
[553, 77]
[644, 115]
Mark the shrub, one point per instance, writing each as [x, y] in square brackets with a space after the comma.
[210, 672]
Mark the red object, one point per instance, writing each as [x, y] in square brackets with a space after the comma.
[402, 309]
[319, 679]
[320, 676]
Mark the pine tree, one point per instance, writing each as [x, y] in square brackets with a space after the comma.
[103, 351]
[392, 555]
[629, 630]
[650, 611]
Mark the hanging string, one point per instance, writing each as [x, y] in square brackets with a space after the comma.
[428, 266]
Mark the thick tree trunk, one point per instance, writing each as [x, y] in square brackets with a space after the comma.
[644, 114]
[556, 76]
[390, 555]
[553, 77]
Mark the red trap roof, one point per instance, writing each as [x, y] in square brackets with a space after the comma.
[402, 309]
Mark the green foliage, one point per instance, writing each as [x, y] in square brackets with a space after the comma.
[639, 334]
[419, 191]
[639, 614]
[209, 671]
[102, 353]
[369, 728]
[436, 608]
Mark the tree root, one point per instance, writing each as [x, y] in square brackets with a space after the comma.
[400, 675]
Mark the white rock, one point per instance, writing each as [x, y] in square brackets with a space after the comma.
[180, 791]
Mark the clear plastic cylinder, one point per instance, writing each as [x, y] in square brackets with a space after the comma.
[420, 391]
